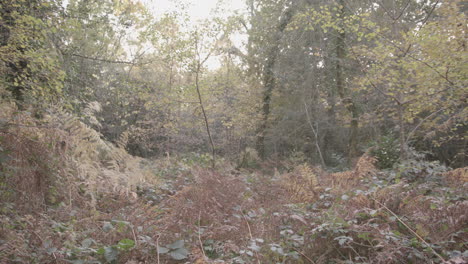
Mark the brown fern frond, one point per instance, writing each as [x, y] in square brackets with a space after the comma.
[122, 141]
[457, 176]
[365, 167]
[302, 183]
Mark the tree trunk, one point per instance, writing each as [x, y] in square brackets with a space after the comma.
[340, 86]
[269, 80]
[197, 86]
[402, 136]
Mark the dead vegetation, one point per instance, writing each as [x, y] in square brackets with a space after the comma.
[83, 200]
[457, 176]
[365, 167]
[302, 184]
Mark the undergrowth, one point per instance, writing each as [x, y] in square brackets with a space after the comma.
[70, 197]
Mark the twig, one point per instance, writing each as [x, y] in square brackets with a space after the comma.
[248, 226]
[134, 237]
[42, 240]
[199, 235]
[411, 230]
[420, 123]
[36, 234]
[250, 233]
[427, 17]
[304, 255]
[70, 195]
[106, 60]
[157, 247]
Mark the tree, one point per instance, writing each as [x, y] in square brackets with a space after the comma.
[29, 70]
[203, 52]
[264, 67]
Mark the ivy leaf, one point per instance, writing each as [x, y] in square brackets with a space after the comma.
[107, 227]
[121, 225]
[87, 242]
[254, 247]
[163, 250]
[179, 254]
[126, 244]
[111, 254]
[176, 245]
[343, 240]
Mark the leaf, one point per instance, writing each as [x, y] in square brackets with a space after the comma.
[176, 245]
[111, 254]
[107, 227]
[343, 240]
[254, 247]
[126, 244]
[179, 254]
[163, 250]
[121, 225]
[87, 242]
[4, 157]
[51, 250]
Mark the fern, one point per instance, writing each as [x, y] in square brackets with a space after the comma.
[122, 141]
[457, 176]
[100, 166]
[302, 183]
[365, 167]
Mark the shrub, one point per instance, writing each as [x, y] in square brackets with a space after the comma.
[249, 159]
[420, 170]
[386, 151]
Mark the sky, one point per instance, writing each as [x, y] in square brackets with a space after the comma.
[197, 9]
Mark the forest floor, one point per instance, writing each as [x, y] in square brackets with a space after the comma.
[272, 213]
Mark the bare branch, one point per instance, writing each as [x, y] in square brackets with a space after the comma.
[106, 60]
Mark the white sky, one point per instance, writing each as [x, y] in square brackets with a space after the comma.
[197, 9]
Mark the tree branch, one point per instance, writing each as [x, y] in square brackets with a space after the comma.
[106, 60]
[315, 135]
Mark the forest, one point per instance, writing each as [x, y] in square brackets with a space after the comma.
[286, 131]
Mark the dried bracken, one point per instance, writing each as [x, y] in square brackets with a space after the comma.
[365, 168]
[457, 176]
[302, 183]
[254, 216]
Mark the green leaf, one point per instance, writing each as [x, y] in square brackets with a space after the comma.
[126, 244]
[176, 245]
[121, 225]
[179, 254]
[100, 251]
